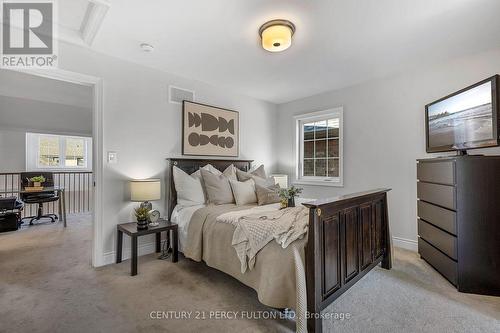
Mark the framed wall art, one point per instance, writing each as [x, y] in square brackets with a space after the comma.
[209, 130]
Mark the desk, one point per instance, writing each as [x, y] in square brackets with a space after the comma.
[60, 193]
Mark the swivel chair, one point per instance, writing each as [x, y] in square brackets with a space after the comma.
[39, 197]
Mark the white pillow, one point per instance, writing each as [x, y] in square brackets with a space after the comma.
[188, 187]
[260, 171]
[208, 167]
[230, 172]
[244, 192]
[212, 169]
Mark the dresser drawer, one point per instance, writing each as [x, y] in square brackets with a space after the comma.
[437, 172]
[441, 195]
[437, 237]
[439, 261]
[440, 217]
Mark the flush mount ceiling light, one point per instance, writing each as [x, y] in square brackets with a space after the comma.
[276, 35]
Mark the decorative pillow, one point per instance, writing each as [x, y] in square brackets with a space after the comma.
[208, 167]
[267, 194]
[258, 175]
[217, 186]
[230, 172]
[259, 172]
[212, 169]
[189, 188]
[244, 192]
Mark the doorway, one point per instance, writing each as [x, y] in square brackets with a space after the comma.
[79, 173]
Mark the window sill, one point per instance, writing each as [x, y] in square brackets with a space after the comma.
[318, 183]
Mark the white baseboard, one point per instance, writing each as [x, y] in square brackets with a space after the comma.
[408, 244]
[142, 249]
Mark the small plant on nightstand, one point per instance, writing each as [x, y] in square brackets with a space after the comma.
[142, 215]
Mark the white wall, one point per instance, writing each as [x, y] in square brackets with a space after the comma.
[23, 85]
[46, 117]
[384, 132]
[12, 150]
[21, 115]
[145, 129]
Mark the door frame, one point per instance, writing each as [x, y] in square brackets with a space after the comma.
[96, 84]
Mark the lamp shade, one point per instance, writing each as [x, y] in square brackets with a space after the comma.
[145, 190]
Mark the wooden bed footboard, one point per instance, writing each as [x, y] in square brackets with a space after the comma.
[348, 236]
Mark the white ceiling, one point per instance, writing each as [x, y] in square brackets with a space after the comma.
[79, 20]
[337, 43]
[73, 13]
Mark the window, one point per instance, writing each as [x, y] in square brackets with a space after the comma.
[319, 148]
[49, 151]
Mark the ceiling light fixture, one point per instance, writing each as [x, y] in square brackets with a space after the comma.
[147, 47]
[277, 35]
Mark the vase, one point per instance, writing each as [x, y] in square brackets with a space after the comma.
[283, 203]
[142, 224]
[291, 202]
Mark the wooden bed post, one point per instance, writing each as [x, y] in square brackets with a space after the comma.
[387, 261]
[313, 272]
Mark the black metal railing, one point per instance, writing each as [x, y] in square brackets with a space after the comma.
[78, 191]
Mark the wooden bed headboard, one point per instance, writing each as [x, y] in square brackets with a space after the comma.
[190, 165]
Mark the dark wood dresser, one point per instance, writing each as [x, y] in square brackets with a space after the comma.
[458, 210]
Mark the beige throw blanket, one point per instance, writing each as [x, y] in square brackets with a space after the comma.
[278, 275]
[254, 230]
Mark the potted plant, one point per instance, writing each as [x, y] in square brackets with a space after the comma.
[37, 181]
[142, 215]
[288, 195]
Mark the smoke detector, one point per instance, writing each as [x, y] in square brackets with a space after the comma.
[147, 47]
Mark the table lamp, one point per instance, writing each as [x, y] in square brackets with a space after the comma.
[144, 191]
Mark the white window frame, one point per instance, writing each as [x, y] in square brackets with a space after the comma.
[33, 153]
[337, 112]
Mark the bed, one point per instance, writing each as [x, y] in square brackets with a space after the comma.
[347, 237]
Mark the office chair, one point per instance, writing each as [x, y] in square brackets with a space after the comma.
[39, 197]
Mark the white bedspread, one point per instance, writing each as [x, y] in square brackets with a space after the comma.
[182, 216]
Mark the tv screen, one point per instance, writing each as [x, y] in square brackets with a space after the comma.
[464, 120]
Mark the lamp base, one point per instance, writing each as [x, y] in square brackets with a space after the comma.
[147, 204]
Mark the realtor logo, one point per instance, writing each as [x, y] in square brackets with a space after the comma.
[28, 38]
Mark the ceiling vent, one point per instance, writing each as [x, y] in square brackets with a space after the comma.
[177, 95]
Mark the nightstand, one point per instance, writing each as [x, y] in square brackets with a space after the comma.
[131, 230]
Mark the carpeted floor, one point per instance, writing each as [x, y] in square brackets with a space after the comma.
[47, 285]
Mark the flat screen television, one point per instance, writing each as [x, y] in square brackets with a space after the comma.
[466, 119]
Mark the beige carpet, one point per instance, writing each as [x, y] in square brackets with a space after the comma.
[47, 285]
